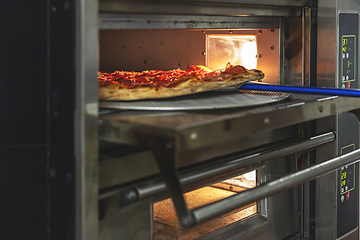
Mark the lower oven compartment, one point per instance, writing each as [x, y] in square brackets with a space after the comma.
[166, 225]
[270, 139]
[155, 218]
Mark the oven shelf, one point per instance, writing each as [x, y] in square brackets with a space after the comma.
[193, 130]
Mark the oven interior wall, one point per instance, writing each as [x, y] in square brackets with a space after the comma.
[138, 50]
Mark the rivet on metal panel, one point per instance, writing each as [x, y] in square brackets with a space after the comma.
[203, 31]
[267, 120]
[272, 30]
[179, 64]
[145, 62]
[272, 47]
[230, 31]
[193, 136]
[321, 109]
[260, 31]
[203, 53]
[333, 108]
[162, 43]
[260, 56]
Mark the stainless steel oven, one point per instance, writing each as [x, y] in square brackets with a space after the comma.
[182, 175]
[271, 166]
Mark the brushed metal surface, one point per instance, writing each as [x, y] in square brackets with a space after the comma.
[292, 58]
[326, 66]
[201, 101]
[86, 121]
[303, 3]
[198, 8]
[149, 21]
[134, 222]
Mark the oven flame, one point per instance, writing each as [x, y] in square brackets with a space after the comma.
[248, 55]
[236, 49]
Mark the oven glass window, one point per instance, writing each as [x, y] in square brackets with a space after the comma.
[167, 227]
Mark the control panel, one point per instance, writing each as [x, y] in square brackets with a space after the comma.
[348, 59]
[348, 42]
[348, 126]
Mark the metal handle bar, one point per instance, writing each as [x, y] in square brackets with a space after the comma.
[233, 166]
[224, 169]
[226, 205]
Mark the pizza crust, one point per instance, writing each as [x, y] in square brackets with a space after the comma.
[192, 85]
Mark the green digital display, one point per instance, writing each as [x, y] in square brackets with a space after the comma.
[348, 68]
[347, 173]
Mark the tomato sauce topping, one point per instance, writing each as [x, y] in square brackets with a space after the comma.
[155, 78]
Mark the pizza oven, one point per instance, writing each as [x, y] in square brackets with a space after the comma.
[225, 164]
[200, 172]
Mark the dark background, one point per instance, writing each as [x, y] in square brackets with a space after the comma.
[37, 79]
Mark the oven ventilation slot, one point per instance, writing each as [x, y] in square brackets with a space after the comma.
[163, 150]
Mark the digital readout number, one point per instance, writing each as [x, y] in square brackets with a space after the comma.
[347, 173]
[343, 176]
[348, 68]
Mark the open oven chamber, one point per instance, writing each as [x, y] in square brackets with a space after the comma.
[272, 171]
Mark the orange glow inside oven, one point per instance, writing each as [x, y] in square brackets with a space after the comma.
[236, 49]
[166, 225]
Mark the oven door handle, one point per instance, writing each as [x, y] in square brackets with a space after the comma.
[221, 207]
[164, 152]
[173, 181]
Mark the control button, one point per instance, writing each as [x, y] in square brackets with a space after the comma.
[346, 188]
[342, 168]
[343, 86]
[343, 55]
[347, 55]
[347, 77]
[342, 190]
[342, 198]
[347, 195]
[348, 86]
[343, 78]
[346, 166]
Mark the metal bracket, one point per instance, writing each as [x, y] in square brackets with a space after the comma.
[164, 152]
